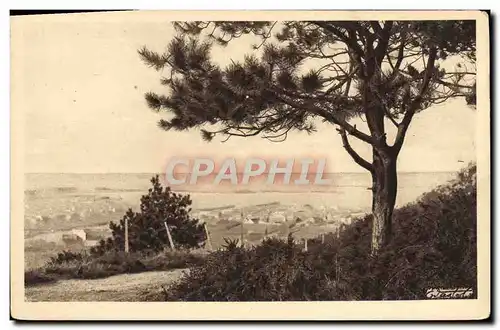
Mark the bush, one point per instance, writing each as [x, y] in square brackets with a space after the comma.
[33, 277]
[433, 246]
[87, 266]
[146, 228]
[66, 256]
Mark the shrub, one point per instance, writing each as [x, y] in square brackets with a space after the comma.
[87, 266]
[146, 228]
[36, 276]
[66, 256]
[433, 246]
[233, 273]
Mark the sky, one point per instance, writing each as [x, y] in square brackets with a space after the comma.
[83, 83]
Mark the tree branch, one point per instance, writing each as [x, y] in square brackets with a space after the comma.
[351, 43]
[405, 123]
[376, 27]
[266, 36]
[383, 42]
[397, 66]
[357, 158]
[389, 115]
[453, 85]
[329, 117]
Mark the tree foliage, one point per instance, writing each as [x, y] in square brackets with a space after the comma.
[301, 70]
[146, 228]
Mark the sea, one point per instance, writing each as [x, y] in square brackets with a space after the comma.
[346, 191]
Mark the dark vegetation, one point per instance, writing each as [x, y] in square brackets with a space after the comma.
[146, 229]
[434, 247]
[68, 265]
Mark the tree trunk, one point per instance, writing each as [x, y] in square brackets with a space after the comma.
[384, 177]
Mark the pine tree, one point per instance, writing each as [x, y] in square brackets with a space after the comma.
[146, 228]
[384, 72]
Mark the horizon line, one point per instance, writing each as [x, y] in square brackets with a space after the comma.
[340, 172]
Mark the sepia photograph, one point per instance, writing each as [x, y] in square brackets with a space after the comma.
[314, 165]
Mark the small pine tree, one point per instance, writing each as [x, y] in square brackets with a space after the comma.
[146, 228]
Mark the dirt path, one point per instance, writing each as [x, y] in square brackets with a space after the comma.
[125, 287]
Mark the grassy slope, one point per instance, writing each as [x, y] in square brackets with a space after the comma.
[433, 246]
[69, 265]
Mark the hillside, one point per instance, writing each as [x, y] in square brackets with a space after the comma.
[433, 246]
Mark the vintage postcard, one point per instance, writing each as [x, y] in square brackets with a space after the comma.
[250, 165]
